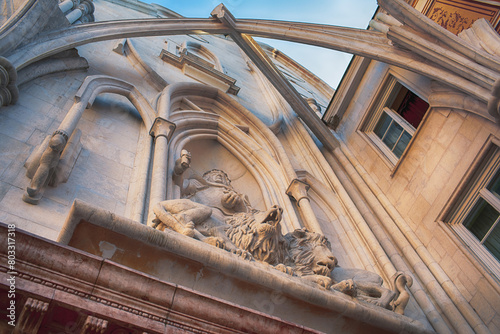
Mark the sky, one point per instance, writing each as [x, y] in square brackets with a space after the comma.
[327, 64]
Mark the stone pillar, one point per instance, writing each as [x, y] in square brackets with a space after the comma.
[298, 191]
[162, 131]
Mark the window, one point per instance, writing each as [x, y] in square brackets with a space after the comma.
[476, 215]
[397, 114]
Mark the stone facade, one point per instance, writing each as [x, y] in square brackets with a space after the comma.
[110, 130]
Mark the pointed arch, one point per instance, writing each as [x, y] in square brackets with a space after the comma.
[213, 115]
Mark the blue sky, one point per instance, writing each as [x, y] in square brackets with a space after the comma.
[329, 65]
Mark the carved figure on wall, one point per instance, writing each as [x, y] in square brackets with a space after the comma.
[51, 163]
[211, 210]
[48, 163]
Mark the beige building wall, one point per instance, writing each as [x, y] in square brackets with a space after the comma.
[424, 182]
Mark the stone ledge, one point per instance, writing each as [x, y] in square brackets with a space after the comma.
[175, 258]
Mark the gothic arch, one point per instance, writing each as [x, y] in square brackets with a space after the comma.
[209, 114]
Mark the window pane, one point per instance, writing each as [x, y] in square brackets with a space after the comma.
[494, 185]
[481, 218]
[392, 135]
[410, 107]
[492, 242]
[402, 143]
[382, 125]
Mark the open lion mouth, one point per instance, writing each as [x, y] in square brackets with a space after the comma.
[273, 216]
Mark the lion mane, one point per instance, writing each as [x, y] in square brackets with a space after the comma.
[258, 233]
[301, 255]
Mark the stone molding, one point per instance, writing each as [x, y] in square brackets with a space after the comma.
[232, 265]
[267, 67]
[94, 286]
[187, 60]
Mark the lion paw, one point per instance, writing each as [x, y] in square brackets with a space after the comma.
[216, 242]
[322, 281]
[242, 253]
[347, 287]
[286, 269]
[188, 230]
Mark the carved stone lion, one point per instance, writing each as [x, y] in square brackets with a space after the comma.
[212, 211]
[259, 233]
[311, 257]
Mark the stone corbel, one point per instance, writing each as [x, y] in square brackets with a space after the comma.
[31, 316]
[298, 190]
[162, 128]
[51, 163]
[8, 88]
[94, 325]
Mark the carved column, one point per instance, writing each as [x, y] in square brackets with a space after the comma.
[94, 325]
[162, 131]
[68, 5]
[8, 89]
[298, 191]
[31, 316]
[82, 12]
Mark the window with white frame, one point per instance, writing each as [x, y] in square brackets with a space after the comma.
[396, 115]
[475, 217]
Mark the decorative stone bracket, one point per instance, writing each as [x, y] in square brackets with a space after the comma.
[8, 88]
[51, 163]
[94, 325]
[31, 316]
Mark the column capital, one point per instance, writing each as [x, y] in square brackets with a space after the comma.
[162, 127]
[298, 190]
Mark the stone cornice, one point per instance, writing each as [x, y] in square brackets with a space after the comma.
[226, 264]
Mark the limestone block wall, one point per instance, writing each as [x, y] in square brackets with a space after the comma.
[101, 174]
[421, 185]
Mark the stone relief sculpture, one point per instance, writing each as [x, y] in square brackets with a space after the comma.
[51, 163]
[211, 210]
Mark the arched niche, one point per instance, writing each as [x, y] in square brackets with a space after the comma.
[209, 154]
[209, 122]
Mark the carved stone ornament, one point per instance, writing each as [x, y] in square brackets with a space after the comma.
[212, 211]
[31, 316]
[94, 325]
[51, 163]
[9, 92]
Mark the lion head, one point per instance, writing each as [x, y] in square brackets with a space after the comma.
[309, 253]
[259, 233]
